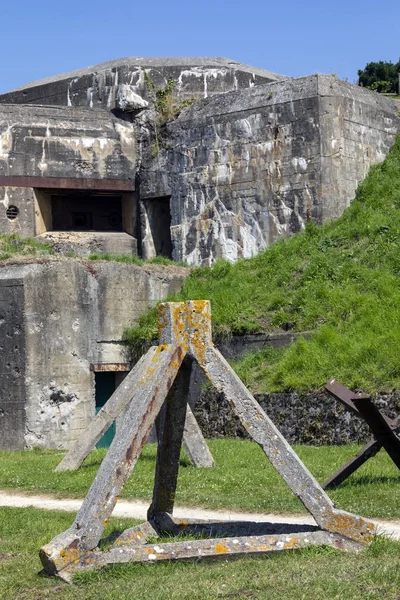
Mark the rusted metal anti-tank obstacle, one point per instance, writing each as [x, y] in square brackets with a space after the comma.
[386, 431]
[161, 397]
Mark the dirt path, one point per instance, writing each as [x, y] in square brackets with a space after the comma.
[135, 509]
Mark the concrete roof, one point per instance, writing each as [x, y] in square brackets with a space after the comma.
[156, 62]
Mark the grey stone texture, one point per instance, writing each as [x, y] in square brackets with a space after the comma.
[247, 167]
[57, 319]
[56, 143]
[82, 243]
[51, 141]
[100, 85]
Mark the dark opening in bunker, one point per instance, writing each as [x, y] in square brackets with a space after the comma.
[105, 385]
[86, 211]
[159, 220]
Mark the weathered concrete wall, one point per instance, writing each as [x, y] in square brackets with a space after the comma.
[60, 142]
[247, 167]
[85, 243]
[234, 171]
[101, 85]
[23, 199]
[68, 315]
[12, 356]
[357, 130]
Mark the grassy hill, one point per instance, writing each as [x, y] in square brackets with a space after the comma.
[340, 280]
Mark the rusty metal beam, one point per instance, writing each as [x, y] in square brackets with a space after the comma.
[344, 394]
[380, 427]
[69, 183]
[368, 451]
[383, 428]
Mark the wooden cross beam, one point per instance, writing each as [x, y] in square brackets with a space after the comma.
[383, 428]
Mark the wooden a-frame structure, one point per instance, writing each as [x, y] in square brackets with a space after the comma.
[161, 397]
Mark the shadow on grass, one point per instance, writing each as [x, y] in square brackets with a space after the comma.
[370, 479]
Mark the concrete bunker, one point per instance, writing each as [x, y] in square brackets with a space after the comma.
[249, 163]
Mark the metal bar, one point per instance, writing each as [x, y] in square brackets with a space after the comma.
[367, 452]
[132, 383]
[170, 426]
[344, 394]
[380, 427]
[69, 183]
[86, 531]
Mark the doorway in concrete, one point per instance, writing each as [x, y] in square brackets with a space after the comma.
[105, 385]
[157, 239]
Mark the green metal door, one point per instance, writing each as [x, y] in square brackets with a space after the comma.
[105, 386]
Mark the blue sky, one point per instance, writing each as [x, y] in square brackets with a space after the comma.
[45, 38]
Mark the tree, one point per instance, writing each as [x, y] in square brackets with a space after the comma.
[382, 76]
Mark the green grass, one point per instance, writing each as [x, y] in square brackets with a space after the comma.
[243, 479]
[12, 245]
[135, 260]
[311, 574]
[340, 281]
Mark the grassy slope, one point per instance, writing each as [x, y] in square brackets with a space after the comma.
[340, 280]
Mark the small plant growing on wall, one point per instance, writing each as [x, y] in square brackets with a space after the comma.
[166, 104]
